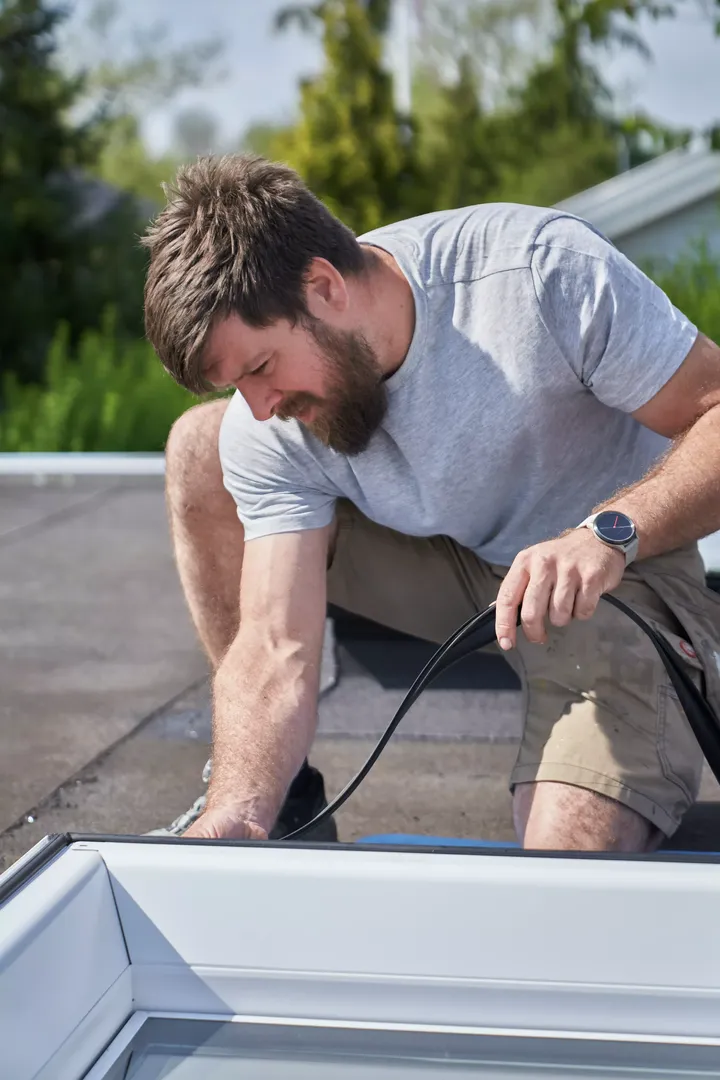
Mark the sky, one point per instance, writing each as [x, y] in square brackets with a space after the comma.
[681, 86]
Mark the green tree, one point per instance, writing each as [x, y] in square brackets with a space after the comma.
[568, 88]
[264, 138]
[123, 161]
[39, 155]
[459, 161]
[350, 144]
[556, 130]
[69, 243]
[492, 117]
[490, 36]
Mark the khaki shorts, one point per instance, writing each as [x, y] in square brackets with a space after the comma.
[599, 710]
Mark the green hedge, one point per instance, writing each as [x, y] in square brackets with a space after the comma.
[111, 394]
[693, 285]
[107, 395]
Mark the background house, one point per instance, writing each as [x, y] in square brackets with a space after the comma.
[658, 210]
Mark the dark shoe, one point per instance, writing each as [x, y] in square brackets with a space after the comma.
[304, 800]
[182, 823]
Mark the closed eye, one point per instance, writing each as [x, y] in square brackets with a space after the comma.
[261, 368]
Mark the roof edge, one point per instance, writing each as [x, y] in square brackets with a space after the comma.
[635, 199]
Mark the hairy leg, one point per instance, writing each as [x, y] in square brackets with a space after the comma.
[206, 532]
[562, 817]
[208, 541]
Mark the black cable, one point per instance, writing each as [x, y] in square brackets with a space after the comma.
[478, 632]
[702, 719]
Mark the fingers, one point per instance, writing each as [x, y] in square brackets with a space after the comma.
[564, 597]
[509, 598]
[223, 825]
[528, 587]
[560, 580]
[535, 605]
[588, 597]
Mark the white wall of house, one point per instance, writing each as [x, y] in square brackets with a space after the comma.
[672, 236]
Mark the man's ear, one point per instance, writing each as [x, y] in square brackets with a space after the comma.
[326, 291]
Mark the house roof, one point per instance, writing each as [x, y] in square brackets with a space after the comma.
[648, 192]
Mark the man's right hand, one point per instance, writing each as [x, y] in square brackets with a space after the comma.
[225, 823]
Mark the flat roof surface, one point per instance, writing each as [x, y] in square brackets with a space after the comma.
[104, 709]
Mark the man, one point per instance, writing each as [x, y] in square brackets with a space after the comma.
[427, 419]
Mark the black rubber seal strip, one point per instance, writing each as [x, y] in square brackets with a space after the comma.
[32, 862]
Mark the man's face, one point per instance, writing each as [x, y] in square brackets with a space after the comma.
[328, 379]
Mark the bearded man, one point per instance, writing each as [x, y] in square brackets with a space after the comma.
[487, 404]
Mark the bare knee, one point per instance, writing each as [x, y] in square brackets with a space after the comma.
[193, 475]
[562, 817]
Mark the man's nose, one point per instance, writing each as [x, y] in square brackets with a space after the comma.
[262, 401]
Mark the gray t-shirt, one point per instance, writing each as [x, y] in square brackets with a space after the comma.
[509, 419]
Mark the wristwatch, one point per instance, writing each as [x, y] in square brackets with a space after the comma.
[614, 529]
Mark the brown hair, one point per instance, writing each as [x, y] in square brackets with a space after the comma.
[237, 236]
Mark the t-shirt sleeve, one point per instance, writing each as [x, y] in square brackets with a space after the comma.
[264, 472]
[617, 329]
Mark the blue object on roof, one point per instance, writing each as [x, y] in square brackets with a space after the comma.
[413, 840]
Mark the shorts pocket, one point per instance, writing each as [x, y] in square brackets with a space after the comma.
[678, 750]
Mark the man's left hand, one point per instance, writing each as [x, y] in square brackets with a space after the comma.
[562, 579]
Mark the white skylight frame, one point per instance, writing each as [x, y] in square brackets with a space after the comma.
[496, 942]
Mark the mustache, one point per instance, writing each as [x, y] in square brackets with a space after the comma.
[296, 404]
[355, 398]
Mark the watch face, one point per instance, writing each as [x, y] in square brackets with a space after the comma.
[614, 528]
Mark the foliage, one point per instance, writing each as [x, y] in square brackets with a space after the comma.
[124, 162]
[307, 16]
[350, 145]
[69, 244]
[266, 139]
[494, 118]
[77, 184]
[693, 284]
[553, 132]
[108, 395]
[491, 36]
[458, 160]
[113, 395]
[38, 153]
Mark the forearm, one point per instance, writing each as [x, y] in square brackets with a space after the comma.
[264, 720]
[678, 502]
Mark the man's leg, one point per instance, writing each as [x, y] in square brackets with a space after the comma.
[560, 817]
[608, 761]
[208, 541]
[206, 532]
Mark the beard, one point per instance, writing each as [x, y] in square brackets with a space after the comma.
[356, 400]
